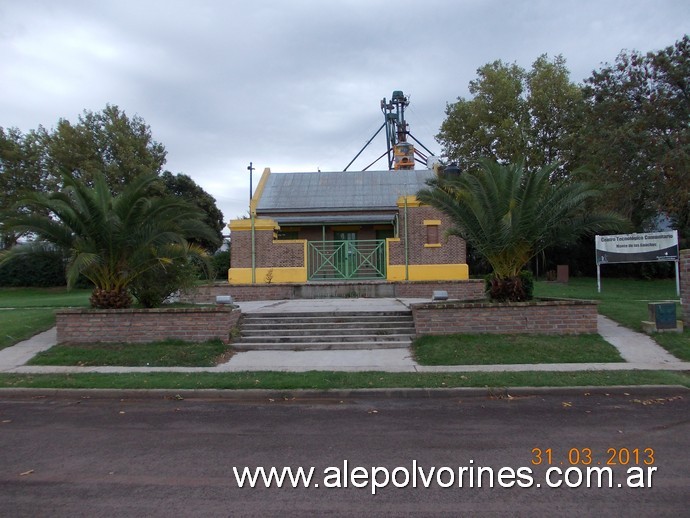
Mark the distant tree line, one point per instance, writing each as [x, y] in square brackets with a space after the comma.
[107, 144]
[625, 130]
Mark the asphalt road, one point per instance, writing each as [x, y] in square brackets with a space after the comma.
[77, 456]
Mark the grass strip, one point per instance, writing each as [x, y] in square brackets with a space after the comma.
[167, 353]
[332, 380]
[461, 349]
[678, 344]
[19, 324]
[43, 297]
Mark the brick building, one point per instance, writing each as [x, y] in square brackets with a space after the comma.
[344, 226]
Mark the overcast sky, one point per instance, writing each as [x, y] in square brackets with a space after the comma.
[293, 85]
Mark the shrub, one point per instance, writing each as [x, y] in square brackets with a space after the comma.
[39, 268]
[220, 263]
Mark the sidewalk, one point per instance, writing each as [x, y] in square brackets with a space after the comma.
[638, 350]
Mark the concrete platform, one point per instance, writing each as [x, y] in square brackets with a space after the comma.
[319, 305]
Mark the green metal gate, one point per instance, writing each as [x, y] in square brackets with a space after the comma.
[346, 259]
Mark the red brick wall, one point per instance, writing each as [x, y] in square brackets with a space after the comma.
[272, 255]
[247, 292]
[537, 317]
[145, 325]
[268, 253]
[452, 249]
[459, 290]
[685, 285]
[241, 251]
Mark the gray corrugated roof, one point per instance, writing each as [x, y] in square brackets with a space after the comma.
[312, 192]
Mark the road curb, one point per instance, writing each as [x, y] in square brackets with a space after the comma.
[272, 395]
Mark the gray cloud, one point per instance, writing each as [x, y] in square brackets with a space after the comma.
[291, 85]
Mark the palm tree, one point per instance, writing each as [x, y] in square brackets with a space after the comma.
[510, 215]
[112, 240]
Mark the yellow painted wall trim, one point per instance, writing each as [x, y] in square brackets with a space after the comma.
[259, 190]
[432, 222]
[278, 275]
[245, 225]
[412, 201]
[429, 272]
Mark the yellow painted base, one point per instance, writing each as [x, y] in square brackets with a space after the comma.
[267, 275]
[429, 272]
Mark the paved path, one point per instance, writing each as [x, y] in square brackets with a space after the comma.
[327, 305]
[639, 351]
[87, 454]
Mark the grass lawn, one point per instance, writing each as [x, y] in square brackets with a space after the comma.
[43, 297]
[678, 344]
[321, 380]
[168, 353]
[27, 311]
[625, 301]
[19, 324]
[507, 349]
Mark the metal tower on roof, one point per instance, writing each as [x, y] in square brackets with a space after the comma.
[401, 153]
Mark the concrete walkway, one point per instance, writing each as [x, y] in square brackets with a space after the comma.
[639, 351]
[326, 305]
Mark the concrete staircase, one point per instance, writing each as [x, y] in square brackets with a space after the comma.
[325, 331]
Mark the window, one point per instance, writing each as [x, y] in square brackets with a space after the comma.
[432, 233]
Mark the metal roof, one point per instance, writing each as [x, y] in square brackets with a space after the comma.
[339, 191]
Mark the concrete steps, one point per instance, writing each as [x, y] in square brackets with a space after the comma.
[325, 331]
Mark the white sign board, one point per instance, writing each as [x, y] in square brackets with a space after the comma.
[637, 248]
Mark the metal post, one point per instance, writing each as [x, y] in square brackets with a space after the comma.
[598, 278]
[365, 146]
[251, 185]
[251, 215]
[678, 279]
[407, 260]
[253, 252]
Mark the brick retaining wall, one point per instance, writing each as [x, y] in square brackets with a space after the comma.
[145, 325]
[538, 317]
[685, 285]
[472, 289]
[461, 290]
[207, 294]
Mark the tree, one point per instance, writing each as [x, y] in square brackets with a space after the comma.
[514, 115]
[108, 143]
[22, 170]
[183, 187]
[510, 215]
[636, 135]
[555, 108]
[490, 124]
[112, 239]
